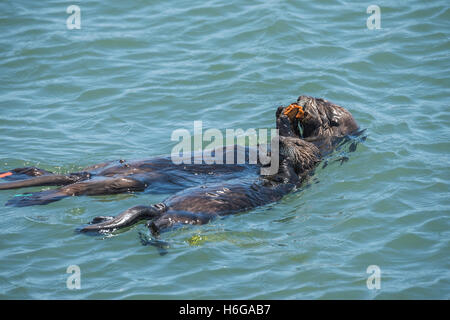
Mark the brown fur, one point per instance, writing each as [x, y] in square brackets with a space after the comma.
[231, 188]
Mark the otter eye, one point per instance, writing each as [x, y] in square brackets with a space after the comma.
[334, 123]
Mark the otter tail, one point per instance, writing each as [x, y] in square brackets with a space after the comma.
[125, 219]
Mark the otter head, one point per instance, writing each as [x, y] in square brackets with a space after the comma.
[324, 119]
[317, 118]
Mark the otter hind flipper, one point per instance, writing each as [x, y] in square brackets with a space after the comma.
[22, 173]
[36, 198]
[23, 181]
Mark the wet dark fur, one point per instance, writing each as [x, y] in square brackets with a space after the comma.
[201, 192]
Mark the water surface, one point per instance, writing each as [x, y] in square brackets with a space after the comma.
[138, 70]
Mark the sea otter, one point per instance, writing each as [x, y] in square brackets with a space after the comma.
[308, 129]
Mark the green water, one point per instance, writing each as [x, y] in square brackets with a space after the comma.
[137, 70]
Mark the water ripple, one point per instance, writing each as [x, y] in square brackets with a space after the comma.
[136, 71]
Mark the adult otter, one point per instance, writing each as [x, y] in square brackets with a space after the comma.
[228, 189]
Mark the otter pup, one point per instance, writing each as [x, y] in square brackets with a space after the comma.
[308, 129]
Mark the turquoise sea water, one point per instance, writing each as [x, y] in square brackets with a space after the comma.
[137, 70]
